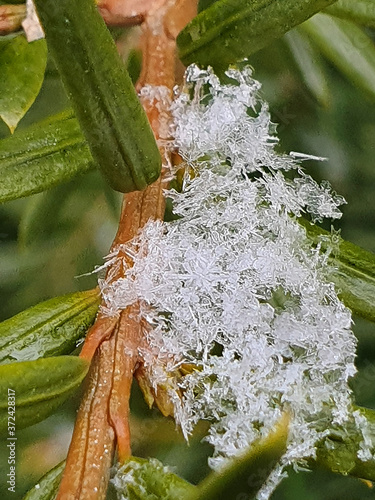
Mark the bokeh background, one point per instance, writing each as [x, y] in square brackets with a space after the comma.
[50, 241]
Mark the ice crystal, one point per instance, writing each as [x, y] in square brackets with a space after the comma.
[233, 285]
[368, 433]
[147, 479]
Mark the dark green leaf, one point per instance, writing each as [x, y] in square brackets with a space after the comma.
[359, 11]
[50, 328]
[102, 94]
[42, 156]
[244, 476]
[47, 487]
[22, 67]
[339, 451]
[353, 271]
[150, 481]
[204, 4]
[347, 47]
[228, 31]
[310, 65]
[134, 64]
[39, 388]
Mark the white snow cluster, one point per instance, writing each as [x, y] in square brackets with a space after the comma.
[235, 287]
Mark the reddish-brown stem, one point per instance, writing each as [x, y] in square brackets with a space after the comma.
[101, 331]
[87, 468]
[126, 357]
[104, 412]
[11, 17]
[113, 342]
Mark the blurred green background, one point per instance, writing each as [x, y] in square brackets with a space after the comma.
[49, 241]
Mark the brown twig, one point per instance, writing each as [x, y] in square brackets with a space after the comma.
[92, 448]
[113, 342]
[11, 17]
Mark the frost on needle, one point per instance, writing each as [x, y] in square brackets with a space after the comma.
[234, 287]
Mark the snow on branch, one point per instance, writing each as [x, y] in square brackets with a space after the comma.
[234, 287]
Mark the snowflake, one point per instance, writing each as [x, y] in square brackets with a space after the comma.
[234, 287]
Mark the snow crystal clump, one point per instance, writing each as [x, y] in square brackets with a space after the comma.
[233, 285]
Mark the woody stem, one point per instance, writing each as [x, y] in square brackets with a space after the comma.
[112, 343]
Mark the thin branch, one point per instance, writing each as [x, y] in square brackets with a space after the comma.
[113, 342]
[92, 447]
[11, 17]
